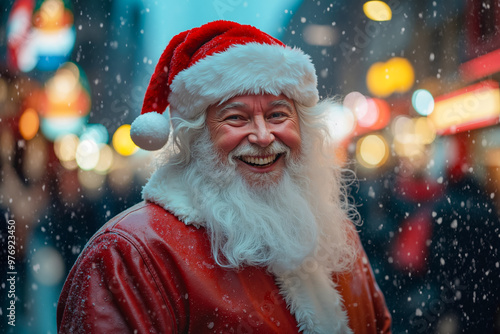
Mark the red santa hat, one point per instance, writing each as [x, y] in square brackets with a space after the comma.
[213, 63]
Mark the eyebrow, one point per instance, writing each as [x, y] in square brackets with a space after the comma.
[283, 103]
[275, 103]
[230, 105]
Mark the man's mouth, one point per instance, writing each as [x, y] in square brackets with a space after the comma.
[260, 161]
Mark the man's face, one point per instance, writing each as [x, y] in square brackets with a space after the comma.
[251, 127]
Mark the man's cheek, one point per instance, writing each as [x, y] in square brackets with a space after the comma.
[291, 138]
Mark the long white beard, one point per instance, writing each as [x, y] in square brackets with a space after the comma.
[297, 228]
[275, 225]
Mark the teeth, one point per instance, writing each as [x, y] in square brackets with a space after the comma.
[259, 161]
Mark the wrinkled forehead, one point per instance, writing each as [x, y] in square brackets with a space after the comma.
[247, 101]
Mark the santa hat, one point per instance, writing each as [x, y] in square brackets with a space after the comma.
[213, 63]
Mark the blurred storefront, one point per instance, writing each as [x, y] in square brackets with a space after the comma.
[417, 119]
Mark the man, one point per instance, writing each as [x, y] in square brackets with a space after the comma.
[244, 227]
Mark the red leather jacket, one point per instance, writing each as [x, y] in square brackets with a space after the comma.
[147, 272]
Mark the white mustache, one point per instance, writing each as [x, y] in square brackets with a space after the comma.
[276, 147]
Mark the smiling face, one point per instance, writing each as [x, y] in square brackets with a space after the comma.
[257, 132]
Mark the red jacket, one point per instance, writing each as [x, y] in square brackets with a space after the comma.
[147, 272]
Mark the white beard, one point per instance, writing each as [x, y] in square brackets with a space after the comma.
[297, 228]
[269, 224]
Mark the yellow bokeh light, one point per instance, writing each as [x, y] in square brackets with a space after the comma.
[395, 75]
[377, 11]
[377, 80]
[122, 142]
[412, 135]
[403, 75]
[424, 130]
[29, 122]
[372, 151]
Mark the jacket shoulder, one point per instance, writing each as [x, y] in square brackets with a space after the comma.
[115, 283]
[152, 230]
[139, 214]
[145, 221]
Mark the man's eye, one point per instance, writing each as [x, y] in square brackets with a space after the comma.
[277, 114]
[233, 118]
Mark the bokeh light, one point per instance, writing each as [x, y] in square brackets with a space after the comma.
[50, 15]
[95, 132]
[65, 147]
[394, 76]
[29, 123]
[105, 159]
[53, 33]
[66, 93]
[383, 112]
[424, 130]
[357, 103]
[22, 53]
[423, 102]
[64, 86]
[91, 180]
[48, 266]
[53, 127]
[377, 11]
[370, 113]
[69, 165]
[340, 122]
[404, 139]
[412, 135]
[87, 154]
[66, 102]
[122, 142]
[372, 151]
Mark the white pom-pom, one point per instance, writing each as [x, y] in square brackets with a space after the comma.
[150, 131]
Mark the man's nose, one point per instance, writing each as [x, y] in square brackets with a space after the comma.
[261, 133]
